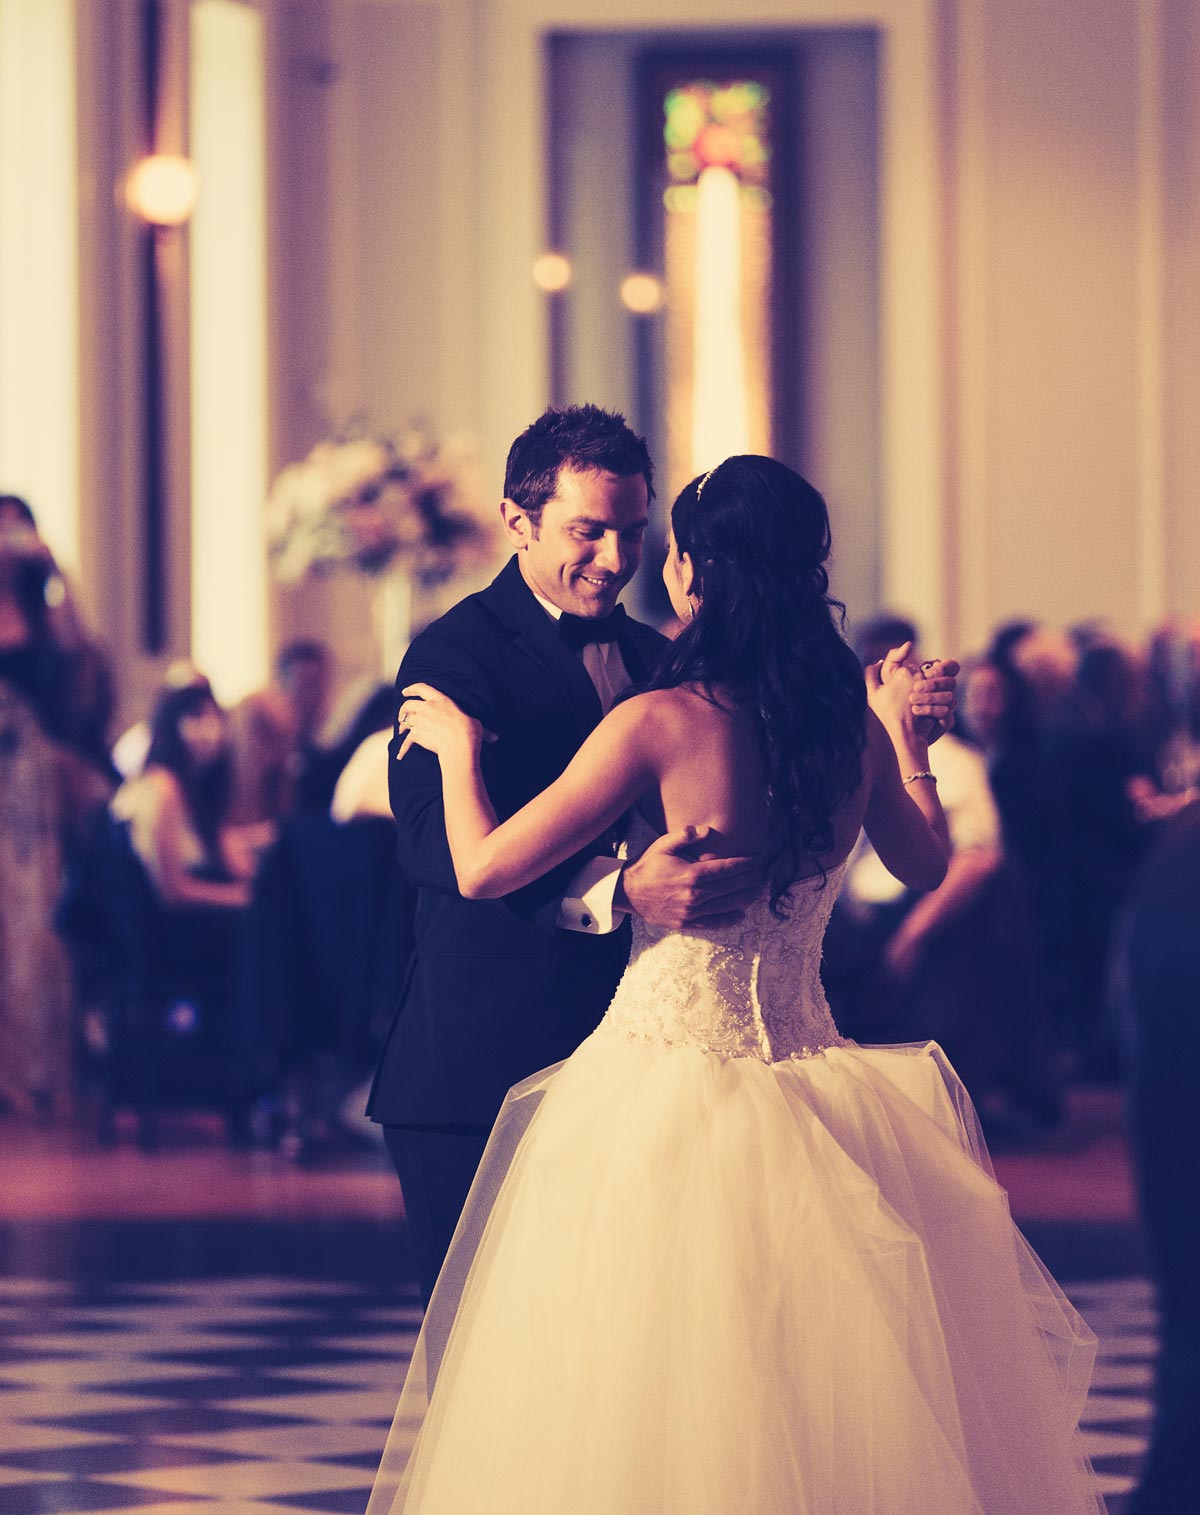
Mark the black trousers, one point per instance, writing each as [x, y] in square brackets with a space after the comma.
[1165, 985]
[435, 1165]
[1159, 970]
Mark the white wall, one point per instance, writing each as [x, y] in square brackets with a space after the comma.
[1039, 209]
[358, 124]
[1048, 349]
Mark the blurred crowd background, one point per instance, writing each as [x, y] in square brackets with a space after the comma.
[204, 908]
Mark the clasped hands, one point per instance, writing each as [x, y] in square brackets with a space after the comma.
[899, 688]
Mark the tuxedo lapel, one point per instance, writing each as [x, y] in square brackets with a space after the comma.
[535, 634]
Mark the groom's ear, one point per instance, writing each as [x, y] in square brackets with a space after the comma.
[518, 526]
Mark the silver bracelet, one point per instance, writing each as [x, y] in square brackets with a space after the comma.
[924, 774]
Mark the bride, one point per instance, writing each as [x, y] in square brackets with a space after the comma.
[721, 1259]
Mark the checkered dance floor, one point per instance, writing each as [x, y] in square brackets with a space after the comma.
[266, 1394]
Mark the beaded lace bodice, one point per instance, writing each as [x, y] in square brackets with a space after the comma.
[752, 989]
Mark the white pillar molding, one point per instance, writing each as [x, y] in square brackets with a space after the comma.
[511, 181]
[1151, 444]
[39, 299]
[460, 80]
[913, 524]
[341, 390]
[968, 280]
[229, 614]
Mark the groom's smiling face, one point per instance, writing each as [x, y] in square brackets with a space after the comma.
[586, 543]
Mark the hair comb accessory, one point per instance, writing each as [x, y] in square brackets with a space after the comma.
[704, 481]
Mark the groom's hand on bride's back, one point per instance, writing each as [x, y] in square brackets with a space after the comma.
[674, 884]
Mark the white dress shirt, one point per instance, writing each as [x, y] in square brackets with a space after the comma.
[587, 905]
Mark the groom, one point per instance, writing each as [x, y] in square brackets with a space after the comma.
[498, 989]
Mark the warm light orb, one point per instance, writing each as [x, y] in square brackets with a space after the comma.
[162, 189]
[552, 273]
[643, 294]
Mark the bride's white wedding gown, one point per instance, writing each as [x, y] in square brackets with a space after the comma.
[723, 1262]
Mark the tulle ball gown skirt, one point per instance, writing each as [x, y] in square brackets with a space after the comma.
[687, 1284]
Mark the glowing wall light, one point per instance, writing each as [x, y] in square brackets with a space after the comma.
[552, 273]
[643, 294]
[162, 189]
[229, 347]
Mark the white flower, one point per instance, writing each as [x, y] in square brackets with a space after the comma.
[365, 504]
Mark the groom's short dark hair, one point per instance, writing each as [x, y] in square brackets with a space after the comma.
[583, 437]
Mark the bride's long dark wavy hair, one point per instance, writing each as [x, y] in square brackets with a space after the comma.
[768, 635]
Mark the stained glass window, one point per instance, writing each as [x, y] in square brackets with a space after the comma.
[717, 265]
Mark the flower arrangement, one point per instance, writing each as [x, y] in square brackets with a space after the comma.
[378, 507]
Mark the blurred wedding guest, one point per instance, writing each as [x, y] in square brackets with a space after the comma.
[1094, 769]
[1160, 974]
[1046, 659]
[362, 788]
[977, 993]
[302, 678]
[87, 720]
[40, 632]
[177, 808]
[996, 716]
[190, 918]
[1159, 716]
[364, 709]
[47, 791]
[1177, 761]
[263, 743]
[46, 796]
[130, 749]
[1005, 637]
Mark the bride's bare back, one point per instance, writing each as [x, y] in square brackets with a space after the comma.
[713, 776]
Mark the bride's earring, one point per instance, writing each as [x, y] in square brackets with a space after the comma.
[693, 606]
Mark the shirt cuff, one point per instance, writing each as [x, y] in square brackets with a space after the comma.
[588, 904]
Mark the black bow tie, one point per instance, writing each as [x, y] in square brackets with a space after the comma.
[577, 630]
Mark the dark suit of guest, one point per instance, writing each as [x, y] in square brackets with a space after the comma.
[1161, 971]
[495, 991]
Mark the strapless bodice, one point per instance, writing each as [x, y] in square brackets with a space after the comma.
[751, 989]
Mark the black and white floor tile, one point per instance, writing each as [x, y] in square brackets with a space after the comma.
[271, 1395]
[1116, 1422]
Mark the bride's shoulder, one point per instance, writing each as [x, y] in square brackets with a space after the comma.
[654, 721]
[667, 723]
[662, 707]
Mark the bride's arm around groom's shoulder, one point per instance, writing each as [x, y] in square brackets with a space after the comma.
[438, 657]
[619, 761]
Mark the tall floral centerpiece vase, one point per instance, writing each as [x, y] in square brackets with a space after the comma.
[404, 514]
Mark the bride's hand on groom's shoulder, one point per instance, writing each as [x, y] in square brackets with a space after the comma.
[430, 719]
[678, 881]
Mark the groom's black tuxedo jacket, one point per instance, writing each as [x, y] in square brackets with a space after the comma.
[494, 991]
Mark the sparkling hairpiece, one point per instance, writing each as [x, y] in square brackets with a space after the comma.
[704, 481]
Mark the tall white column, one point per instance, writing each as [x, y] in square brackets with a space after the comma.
[39, 299]
[229, 347]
